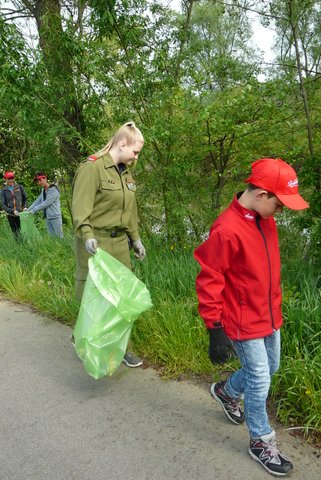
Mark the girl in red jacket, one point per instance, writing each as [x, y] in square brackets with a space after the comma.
[239, 292]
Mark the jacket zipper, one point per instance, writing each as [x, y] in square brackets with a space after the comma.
[14, 200]
[270, 271]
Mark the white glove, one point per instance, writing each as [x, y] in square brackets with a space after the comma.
[139, 249]
[16, 213]
[91, 245]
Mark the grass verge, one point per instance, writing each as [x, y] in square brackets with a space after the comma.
[171, 335]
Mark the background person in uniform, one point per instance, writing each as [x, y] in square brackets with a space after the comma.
[49, 202]
[104, 207]
[239, 293]
[13, 199]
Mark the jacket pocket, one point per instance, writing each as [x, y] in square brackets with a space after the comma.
[110, 186]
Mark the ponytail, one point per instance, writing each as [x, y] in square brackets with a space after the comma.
[128, 132]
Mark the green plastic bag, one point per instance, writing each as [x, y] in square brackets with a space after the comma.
[112, 300]
[28, 228]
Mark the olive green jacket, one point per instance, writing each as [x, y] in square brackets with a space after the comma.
[103, 198]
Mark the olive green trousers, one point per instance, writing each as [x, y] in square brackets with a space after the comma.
[118, 247]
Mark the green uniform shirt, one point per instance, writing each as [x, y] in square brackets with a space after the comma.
[103, 198]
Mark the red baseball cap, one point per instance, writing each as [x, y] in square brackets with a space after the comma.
[39, 176]
[8, 175]
[278, 177]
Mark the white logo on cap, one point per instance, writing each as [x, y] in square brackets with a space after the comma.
[293, 183]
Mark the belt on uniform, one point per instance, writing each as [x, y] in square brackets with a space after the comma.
[113, 232]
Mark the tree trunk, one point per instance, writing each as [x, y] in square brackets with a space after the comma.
[304, 94]
[57, 57]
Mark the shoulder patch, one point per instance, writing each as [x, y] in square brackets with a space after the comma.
[92, 158]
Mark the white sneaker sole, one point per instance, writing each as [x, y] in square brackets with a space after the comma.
[276, 474]
[130, 365]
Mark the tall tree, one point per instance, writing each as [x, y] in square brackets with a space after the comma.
[57, 50]
[60, 27]
[298, 27]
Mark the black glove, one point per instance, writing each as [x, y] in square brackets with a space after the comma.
[220, 349]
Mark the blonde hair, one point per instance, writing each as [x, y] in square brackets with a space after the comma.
[128, 132]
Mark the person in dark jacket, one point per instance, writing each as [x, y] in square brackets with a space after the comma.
[49, 202]
[239, 293]
[13, 200]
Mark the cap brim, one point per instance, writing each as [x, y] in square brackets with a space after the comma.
[294, 202]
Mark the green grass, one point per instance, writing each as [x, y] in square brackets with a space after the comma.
[39, 273]
[296, 388]
[171, 335]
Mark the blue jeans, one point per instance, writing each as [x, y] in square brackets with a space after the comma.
[54, 227]
[259, 358]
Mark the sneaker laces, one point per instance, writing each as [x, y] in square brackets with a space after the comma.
[235, 404]
[272, 449]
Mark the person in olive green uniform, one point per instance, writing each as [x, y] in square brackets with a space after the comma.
[104, 209]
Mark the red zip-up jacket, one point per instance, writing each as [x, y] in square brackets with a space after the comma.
[239, 283]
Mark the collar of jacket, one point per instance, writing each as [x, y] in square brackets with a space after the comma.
[248, 215]
[15, 187]
[109, 162]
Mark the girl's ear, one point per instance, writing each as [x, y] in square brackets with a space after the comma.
[122, 143]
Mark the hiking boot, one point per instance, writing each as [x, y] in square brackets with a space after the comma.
[265, 451]
[132, 361]
[231, 407]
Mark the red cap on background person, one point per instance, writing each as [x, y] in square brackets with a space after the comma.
[278, 177]
[39, 176]
[8, 176]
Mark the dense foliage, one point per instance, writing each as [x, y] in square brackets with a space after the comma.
[192, 81]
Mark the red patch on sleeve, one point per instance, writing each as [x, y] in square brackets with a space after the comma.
[92, 158]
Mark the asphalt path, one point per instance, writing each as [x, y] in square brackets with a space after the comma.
[58, 423]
